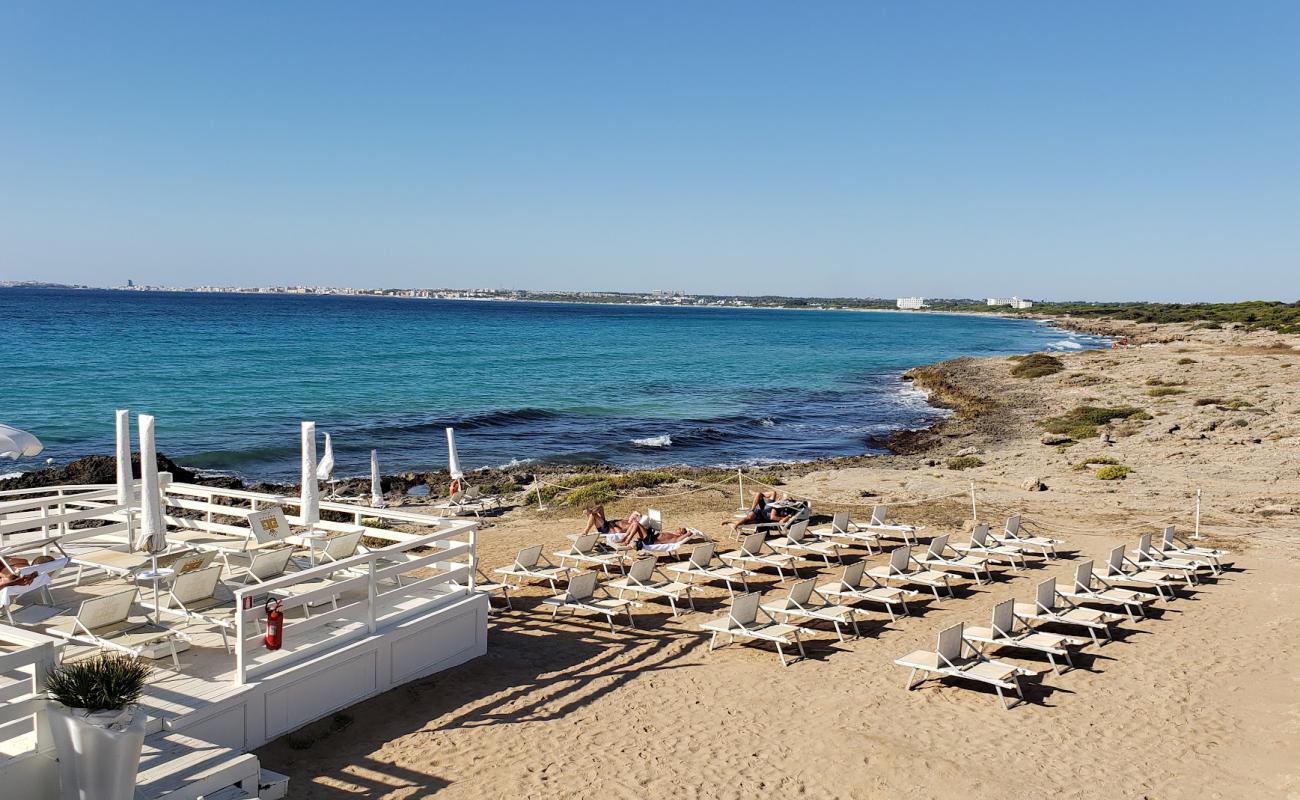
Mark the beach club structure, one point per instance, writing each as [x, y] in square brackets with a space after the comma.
[187, 577]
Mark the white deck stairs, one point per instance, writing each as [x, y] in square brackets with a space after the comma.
[178, 767]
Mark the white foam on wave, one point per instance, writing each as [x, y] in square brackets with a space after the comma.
[766, 422]
[655, 441]
[1065, 344]
[4, 476]
[516, 462]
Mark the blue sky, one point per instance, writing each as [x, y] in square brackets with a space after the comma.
[1052, 150]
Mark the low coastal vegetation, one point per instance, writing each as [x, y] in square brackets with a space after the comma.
[1165, 391]
[1162, 382]
[1082, 422]
[1235, 404]
[1113, 472]
[583, 491]
[1251, 315]
[965, 462]
[1036, 365]
[1098, 461]
[1185, 361]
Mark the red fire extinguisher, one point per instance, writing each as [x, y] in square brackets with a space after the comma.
[274, 625]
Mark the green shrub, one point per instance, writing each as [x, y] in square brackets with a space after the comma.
[1036, 365]
[1239, 423]
[1164, 391]
[1083, 421]
[1207, 401]
[1236, 404]
[1094, 461]
[1186, 361]
[584, 491]
[105, 682]
[1114, 472]
[592, 494]
[1159, 382]
[964, 462]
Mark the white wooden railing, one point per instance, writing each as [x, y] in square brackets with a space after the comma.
[22, 686]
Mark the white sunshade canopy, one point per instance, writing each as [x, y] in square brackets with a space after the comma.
[376, 486]
[325, 469]
[18, 444]
[310, 496]
[153, 532]
[453, 460]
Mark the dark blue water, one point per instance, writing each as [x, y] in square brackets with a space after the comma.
[230, 376]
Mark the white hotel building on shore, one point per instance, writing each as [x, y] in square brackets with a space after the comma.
[1014, 302]
[912, 303]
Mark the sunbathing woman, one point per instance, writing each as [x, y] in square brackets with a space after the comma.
[10, 574]
[762, 512]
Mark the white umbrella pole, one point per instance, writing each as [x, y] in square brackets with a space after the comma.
[151, 522]
[125, 494]
[309, 503]
[376, 486]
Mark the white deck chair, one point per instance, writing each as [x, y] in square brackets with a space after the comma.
[1117, 571]
[581, 595]
[266, 563]
[588, 549]
[979, 545]
[795, 542]
[645, 578]
[488, 587]
[265, 527]
[850, 588]
[700, 565]
[882, 527]
[469, 500]
[904, 568]
[120, 563]
[805, 602]
[947, 660]
[1046, 609]
[103, 622]
[935, 557]
[754, 550]
[1149, 557]
[1002, 633]
[802, 511]
[531, 565]
[843, 529]
[1133, 602]
[1013, 534]
[1173, 546]
[742, 620]
[200, 596]
[42, 576]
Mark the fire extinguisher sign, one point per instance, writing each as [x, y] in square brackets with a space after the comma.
[248, 603]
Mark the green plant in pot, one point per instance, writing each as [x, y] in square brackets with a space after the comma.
[96, 725]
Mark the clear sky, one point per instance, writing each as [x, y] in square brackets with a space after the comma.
[1102, 150]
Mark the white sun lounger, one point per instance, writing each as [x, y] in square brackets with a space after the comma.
[103, 622]
[805, 602]
[645, 578]
[42, 576]
[469, 500]
[1002, 633]
[802, 511]
[880, 526]
[843, 529]
[699, 565]
[1045, 609]
[200, 596]
[742, 620]
[531, 565]
[947, 660]
[754, 550]
[1149, 557]
[581, 596]
[979, 545]
[796, 543]
[850, 587]
[1132, 601]
[904, 568]
[589, 550]
[1013, 534]
[1117, 572]
[488, 586]
[1173, 546]
[935, 557]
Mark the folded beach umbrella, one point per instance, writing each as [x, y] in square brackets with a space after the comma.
[153, 533]
[310, 497]
[376, 488]
[453, 461]
[18, 444]
[124, 478]
[325, 469]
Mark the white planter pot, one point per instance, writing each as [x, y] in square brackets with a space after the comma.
[99, 753]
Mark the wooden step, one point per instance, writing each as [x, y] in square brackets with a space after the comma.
[179, 767]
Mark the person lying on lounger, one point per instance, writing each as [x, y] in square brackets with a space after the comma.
[596, 521]
[762, 511]
[10, 574]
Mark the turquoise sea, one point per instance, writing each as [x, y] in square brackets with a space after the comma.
[229, 376]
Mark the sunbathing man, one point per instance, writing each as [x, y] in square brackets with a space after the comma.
[596, 521]
[761, 512]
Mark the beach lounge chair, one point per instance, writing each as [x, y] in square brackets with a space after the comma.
[266, 527]
[904, 568]
[42, 576]
[805, 602]
[266, 563]
[979, 545]
[1173, 546]
[850, 586]
[1014, 534]
[469, 500]
[881, 527]
[1002, 633]
[103, 622]
[1117, 571]
[795, 542]
[645, 578]
[1150, 557]
[843, 529]
[581, 595]
[936, 556]
[121, 564]
[589, 549]
[699, 565]
[200, 596]
[1133, 602]
[531, 565]
[947, 660]
[754, 549]
[801, 511]
[1046, 609]
[488, 587]
[742, 620]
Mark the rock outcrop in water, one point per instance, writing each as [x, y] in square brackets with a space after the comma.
[103, 469]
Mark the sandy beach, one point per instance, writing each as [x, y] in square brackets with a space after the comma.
[1199, 700]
